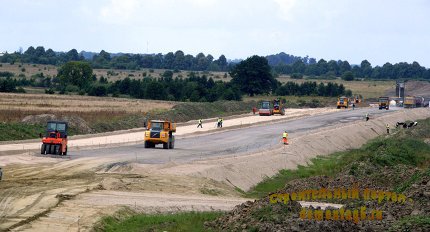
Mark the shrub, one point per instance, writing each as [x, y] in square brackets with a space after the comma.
[348, 76]
[49, 91]
[296, 76]
[20, 90]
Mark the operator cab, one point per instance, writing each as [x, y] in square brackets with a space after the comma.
[265, 105]
[56, 127]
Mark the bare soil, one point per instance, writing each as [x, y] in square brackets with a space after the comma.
[48, 194]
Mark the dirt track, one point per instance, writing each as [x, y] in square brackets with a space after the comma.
[58, 194]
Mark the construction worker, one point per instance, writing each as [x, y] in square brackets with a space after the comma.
[367, 117]
[285, 138]
[200, 124]
[218, 123]
[353, 106]
[388, 128]
[57, 134]
[222, 120]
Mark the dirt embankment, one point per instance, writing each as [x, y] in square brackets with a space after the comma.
[72, 195]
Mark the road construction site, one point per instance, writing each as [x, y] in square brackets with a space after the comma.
[104, 173]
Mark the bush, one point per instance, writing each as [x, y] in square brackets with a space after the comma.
[49, 91]
[348, 76]
[98, 90]
[20, 90]
[296, 76]
[72, 89]
[6, 74]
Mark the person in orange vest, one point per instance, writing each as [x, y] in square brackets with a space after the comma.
[57, 134]
[285, 137]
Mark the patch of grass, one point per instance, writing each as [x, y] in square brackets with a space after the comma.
[212, 192]
[189, 221]
[408, 183]
[411, 223]
[19, 131]
[22, 131]
[328, 165]
[406, 148]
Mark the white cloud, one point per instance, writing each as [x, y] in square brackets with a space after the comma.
[285, 8]
[202, 3]
[119, 11]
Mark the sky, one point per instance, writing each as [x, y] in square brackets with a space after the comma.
[377, 30]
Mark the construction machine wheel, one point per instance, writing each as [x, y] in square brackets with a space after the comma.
[338, 107]
[65, 153]
[48, 149]
[166, 145]
[52, 150]
[58, 149]
[147, 145]
[43, 149]
[173, 144]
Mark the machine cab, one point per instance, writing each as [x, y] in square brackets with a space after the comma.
[54, 127]
[265, 105]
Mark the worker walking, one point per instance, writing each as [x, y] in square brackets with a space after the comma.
[285, 138]
[367, 117]
[218, 123]
[353, 106]
[222, 120]
[388, 128]
[200, 124]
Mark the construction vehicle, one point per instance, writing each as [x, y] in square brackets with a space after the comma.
[277, 107]
[265, 109]
[160, 132]
[357, 99]
[409, 102]
[55, 139]
[384, 103]
[419, 101]
[342, 102]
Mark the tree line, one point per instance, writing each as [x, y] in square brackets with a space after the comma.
[365, 70]
[175, 61]
[252, 76]
[281, 63]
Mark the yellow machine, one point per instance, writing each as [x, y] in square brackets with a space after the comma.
[160, 132]
[409, 102]
[342, 102]
[384, 103]
[277, 107]
[357, 99]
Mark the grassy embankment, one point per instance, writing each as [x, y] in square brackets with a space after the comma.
[406, 149]
[95, 114]
[127, 221]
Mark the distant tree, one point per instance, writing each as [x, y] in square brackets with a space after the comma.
[253, 76]
[72, 55]
[299, 67]
[366, 69]
[348, 76]
[296, 76]
[322, 67]
[77, 73]
[344, 66]
[222, 62]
